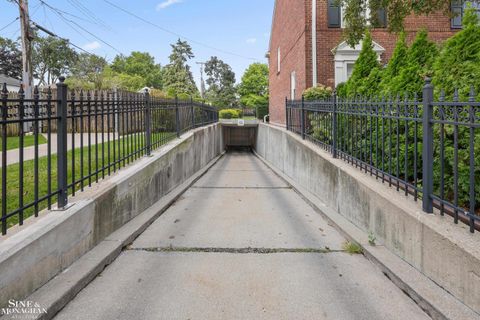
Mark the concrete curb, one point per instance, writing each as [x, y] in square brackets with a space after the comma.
[60, 290]
[433, 299]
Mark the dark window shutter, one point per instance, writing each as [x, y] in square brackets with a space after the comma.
[457, 14]
[333, 14]
[382, 18]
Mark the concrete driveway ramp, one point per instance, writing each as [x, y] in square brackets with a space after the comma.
[241, 244]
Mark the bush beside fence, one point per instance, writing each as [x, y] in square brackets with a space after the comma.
[426, 147]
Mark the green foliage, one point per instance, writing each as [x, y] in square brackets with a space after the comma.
[254, 87]
[177, 76]
[87, 72]
[10, 58]
[352, 247]
[139, 64]
[51, 57]
[320, 92]
[341, 89]
[458, 65]
[420, 59]
[221, 90]
[366, 62]
[370, 86]
[262, 111]
[230, 114]
[357, 24]
[398, 61]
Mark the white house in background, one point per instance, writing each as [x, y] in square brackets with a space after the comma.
[12, 83]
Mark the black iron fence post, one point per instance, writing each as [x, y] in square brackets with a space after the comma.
[148, 123]
[334, 125]
[177, 117]
[302, 120]
[427, 152]
[62, 90]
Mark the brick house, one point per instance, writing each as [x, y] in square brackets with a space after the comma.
[292, 68]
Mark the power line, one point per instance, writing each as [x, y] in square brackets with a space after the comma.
[8, 25]
[57, 36]
[177, 34]
[61, 14]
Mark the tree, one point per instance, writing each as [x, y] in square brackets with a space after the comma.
[397, 10]
[221, 83]
[458, 65]
[177, 76]
[51, 58]
[366, 62]
[10, 58]
[253, 89]
[140, 64]
[420, 58]
[397, 62]
[87, 72]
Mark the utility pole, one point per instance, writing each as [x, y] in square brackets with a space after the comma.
[202, 83]
[27, 36]
[27, 74]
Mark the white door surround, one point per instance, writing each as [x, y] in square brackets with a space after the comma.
[345, 57]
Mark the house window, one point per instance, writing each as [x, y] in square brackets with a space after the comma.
[279, 60]
[345, 57]
[336, 15]
[458, 7]
[349, 69]
[293, 85]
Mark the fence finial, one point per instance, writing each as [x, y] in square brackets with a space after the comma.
[428, 82]
[4, 89]
[35, 91]
[471, 97]
[61, 79]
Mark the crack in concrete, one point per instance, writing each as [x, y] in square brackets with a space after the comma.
[235, 250]
[206, 187]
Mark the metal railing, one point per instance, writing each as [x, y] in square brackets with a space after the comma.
[66, 142]
[426, 147]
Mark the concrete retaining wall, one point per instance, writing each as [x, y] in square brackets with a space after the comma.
[33, 254]
[446, 253]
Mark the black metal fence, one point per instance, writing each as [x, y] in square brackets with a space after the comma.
[66, 143]
[426, 147]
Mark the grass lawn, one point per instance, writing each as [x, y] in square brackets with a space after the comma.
[14, 142]
[123, 146]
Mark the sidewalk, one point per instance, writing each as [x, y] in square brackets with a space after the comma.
[13, 155]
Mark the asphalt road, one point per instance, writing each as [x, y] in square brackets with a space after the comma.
[240, 244]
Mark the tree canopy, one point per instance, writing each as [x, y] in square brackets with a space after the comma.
[10, 58]
[139, 64]
[221, 83]
[51, 57]
[253, 89]
[177, 76]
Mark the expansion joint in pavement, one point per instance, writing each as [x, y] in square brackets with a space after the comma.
[235, 250]
[242, 188]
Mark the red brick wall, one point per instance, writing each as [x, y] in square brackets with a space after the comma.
[288, 33]
[437, 24]
[291, 30]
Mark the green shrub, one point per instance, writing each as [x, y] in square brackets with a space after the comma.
[228, 114]
[320, 92]
[420, 58]
[458, 65]
[396, 64]
[262, 111]
[366, 62]
[341, 89]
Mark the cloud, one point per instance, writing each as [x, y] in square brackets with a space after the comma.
[252, 40]
[167, 3]
[92, 45]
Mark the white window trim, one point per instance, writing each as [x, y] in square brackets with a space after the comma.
[344, 55]
[293, 84]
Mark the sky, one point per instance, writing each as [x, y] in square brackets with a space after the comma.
[240, 29]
